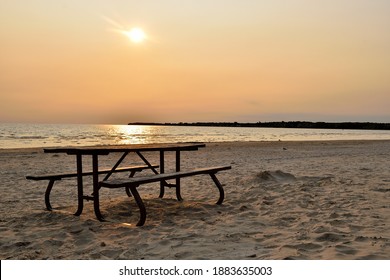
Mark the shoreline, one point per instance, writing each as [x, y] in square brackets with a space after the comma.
[318, 200]
[38, 149]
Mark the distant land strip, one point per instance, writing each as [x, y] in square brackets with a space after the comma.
[282, 124]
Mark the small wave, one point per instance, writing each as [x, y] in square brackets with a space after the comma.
[15, 137]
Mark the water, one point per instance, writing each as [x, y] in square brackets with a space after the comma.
[56, 135]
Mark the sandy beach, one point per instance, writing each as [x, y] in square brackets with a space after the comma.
[284, 200]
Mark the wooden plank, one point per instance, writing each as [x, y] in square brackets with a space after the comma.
[118, 183]
[127, 148]
[90, 173]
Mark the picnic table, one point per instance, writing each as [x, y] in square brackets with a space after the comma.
[132, 183]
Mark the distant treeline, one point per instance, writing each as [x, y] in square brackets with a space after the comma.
[288, 124]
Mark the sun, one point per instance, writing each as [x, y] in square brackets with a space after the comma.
[136, 35]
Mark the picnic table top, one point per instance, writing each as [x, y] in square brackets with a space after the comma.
[104, 150]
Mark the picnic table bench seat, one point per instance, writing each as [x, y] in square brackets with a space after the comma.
[52, 178]
[133, 183]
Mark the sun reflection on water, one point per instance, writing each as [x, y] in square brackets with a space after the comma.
[132, 134]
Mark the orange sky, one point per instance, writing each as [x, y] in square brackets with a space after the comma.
[67, 61]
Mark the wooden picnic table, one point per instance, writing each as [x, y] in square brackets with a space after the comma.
[95, 152]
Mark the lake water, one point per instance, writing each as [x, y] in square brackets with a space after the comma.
[56, 135]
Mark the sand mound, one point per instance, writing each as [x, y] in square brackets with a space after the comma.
[275, 176]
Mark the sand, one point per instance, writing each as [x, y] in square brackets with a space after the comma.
[284, 200]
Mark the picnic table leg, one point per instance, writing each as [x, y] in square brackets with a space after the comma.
[132, 173]
[219, 186]
[178, 195]
[162, 170]
[47, 195]
[80, 194]
[95, 179]
[141, 205]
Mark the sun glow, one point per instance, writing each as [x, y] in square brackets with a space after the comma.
[131, 134]
[136, 35]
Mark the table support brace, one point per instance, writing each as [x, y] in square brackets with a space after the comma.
[115, 166]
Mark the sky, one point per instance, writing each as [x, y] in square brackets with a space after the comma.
[221, 60]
